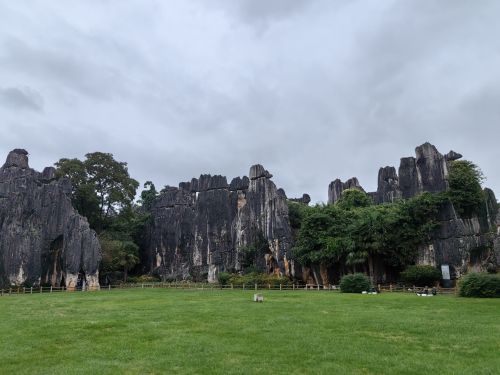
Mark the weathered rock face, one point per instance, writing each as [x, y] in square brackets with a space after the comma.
[305, 199]
[425, 172]
[336, 188]
[200, 228]
[496, 242]
[388, 186]
[463, 244]
[43, 240]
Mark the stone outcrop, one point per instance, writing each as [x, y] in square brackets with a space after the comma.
[427, 171]
[463, 244]
[305, 199]
[202, 227]
[43, 240]
[388, 186]
[336, 188]
[496, 241]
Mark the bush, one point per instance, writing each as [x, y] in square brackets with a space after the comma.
[480, 285]
[421, 275]
[355, 283]
[223, 278]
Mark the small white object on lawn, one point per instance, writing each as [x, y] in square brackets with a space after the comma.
[258, 298]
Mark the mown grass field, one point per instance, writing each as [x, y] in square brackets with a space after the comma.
[161, 331]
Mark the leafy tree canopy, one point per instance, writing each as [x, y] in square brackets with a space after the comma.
[148, 195]
[101, 186]
[465, 192]
[353, 234]
[353, 198]
[103, 191]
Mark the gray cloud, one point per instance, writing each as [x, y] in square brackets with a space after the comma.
[73, 70]
[314, 90]
[261, 12]
[21, 98]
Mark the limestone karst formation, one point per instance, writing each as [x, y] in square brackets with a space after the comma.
[207, 225]
[461, 243]
[202, 227]
[43, 240]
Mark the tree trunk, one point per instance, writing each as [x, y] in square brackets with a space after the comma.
[323, 270]
[371, 269]
[125, 274]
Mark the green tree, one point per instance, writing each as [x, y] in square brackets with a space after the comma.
[357, 235]
[148, 195]
[354, 198]
[323, 237]
[103, 191]
[111, 181]
[101, 186]
[119, 255]
[83, 195]
[464, 179]
[128, 257]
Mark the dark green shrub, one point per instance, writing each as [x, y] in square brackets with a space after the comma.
[421, 275]
[480, 285]
[354, 283]
[223, 278]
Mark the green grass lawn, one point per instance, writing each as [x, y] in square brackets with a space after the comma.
[161, 331]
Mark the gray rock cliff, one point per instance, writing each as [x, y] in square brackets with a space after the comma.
[427, 171]
[200, 228]
[336, 188]
[305, 199]
[43, 240]
[462, 243]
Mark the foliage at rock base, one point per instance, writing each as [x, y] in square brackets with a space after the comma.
[354, 283]
[421, 275]
[480, 285]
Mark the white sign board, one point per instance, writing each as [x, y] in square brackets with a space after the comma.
[445, 270]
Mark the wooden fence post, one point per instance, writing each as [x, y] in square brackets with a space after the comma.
[280, 286]
[51, 289]
[31, 290]
[390, 287]
[255, 286]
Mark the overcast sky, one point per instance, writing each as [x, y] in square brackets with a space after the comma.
[313, 90]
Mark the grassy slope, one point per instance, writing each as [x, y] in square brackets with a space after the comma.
[173, 331]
